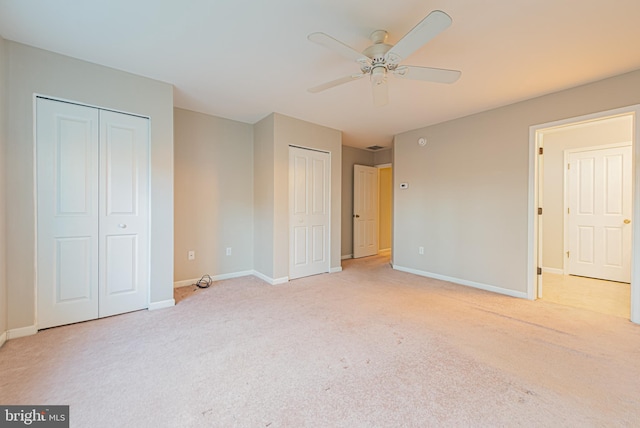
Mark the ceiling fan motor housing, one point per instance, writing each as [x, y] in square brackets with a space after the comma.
[377, 52]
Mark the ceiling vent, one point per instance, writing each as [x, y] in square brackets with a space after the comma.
[375, 147]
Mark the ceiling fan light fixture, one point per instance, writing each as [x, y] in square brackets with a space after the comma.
[378, 75]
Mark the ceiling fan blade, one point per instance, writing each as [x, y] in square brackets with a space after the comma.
[439, 75]
[380, 93]
[338, 47]
[434, 23]
[335, 82]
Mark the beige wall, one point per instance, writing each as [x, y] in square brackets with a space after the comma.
[263, 199]
[34, 71]
[383, 157]
[467, 201]
[3, 282]
[385, 208]
[556, 141]
[350, 156]
[213, 195]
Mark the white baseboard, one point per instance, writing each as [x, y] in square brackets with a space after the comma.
[486, 287]
[269, 280]
[335, 269]
[347, 256]
[3, 338]
[553, 270]
[21, 332]
[153, 306]
[384, 251]
[232, 275]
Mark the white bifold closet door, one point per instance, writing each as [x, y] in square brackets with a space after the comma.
[92, 213]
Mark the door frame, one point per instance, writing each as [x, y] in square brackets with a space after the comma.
[565, 228]
[34, 105]
[535, 199]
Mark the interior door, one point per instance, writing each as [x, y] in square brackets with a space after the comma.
[92, 190]
[600, 213]
[124, 213]
[365, 211]
[67, 213]
[309, 229]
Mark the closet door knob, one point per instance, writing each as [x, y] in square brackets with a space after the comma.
[122, 226]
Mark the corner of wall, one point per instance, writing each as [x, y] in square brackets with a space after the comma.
[3, 136]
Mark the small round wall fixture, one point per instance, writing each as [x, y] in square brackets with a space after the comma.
[422, 141]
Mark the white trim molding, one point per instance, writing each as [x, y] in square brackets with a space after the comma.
[215, 278]
[347, 256]
[22, 332]
[486, 287]
[269, 280]
[552, 270]
[3, 338]
[154, 306]
[336, 269]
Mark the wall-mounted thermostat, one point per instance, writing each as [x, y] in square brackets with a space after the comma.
[404, 185]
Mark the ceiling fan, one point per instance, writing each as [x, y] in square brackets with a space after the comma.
[380, 58]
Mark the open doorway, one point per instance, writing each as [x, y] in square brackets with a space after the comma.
[385, 209]
[584, 169]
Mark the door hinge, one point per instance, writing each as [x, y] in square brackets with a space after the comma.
[539, 271]
[540, 211]
[567, 254]
[568, 166]
[540, 150]
[568, 210]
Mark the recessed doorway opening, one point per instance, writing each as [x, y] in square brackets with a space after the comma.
[583, 191]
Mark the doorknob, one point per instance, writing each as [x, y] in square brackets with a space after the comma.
[627, 221]
[122, 226]
[356, 215]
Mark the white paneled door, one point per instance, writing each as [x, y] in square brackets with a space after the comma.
[599, 217]
[365, 211]
[124, 213]
[309, 212]
[92, 212]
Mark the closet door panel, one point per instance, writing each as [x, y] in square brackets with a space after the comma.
[124, 213]
[67, 213]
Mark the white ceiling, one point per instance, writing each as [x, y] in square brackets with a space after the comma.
[243, 59]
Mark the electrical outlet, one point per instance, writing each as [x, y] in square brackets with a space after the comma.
[421, 250]
[191, 255]
[228, 251]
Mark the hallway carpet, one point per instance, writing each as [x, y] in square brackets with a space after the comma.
[367, 347]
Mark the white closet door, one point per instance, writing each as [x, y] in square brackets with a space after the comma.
[93, 213]
[309, 212]
[67, 213]
[124, 213]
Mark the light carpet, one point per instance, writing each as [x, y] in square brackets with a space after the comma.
[367, 347]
